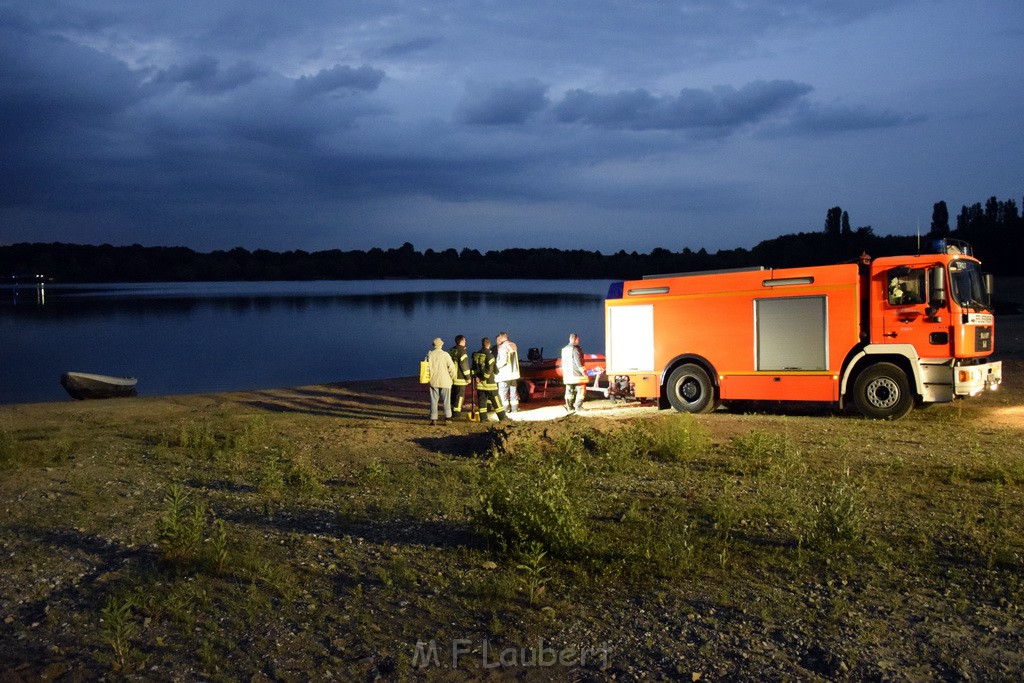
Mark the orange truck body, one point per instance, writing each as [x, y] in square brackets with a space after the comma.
[885, 334]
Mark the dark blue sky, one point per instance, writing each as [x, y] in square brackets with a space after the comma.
[601, 124]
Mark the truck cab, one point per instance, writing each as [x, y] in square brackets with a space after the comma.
[931, 314]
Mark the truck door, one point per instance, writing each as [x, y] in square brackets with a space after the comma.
[905, 315]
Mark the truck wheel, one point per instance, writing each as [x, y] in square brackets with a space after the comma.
[689, 390]
[882, 392]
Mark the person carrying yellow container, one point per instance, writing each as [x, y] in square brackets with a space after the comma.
[442, 374]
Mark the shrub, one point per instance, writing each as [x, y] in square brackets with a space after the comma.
[255, 435]
[198, 437]
[675, 438]
[836, 523]
[759, 452]
[672, 439]
[526, 502]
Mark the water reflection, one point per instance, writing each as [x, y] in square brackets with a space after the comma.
[86, 304]
[26, 294]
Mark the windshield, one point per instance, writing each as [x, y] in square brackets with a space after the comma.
[965, 279]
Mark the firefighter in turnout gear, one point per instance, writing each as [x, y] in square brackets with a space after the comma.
[462, 376]
[486, 386]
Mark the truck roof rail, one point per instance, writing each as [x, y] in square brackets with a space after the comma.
[750, 269]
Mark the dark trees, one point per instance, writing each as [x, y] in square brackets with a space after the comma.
[834, 221]
[940, 220]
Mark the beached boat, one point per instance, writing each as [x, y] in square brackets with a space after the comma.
[538, 372]
[83, 385]
[540, 369]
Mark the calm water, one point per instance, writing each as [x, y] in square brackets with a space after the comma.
[203, 337]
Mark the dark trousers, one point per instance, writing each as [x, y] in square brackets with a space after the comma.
[574, 395]
[490, 403]
[458, 396]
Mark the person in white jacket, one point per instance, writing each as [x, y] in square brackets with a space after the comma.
[442, 376]
[574, 374]
[507, 363]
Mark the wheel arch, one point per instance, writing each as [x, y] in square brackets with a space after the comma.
[869, 355]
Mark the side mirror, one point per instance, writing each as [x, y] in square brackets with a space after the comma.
[937, 286]
[988, 283]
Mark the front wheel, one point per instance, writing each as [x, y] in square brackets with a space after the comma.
[882, 392]
[689, 390]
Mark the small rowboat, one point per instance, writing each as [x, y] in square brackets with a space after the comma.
[82, 385]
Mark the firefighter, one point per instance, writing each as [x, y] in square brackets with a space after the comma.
[507, 363]
[486, 386]
[574, 375]
[462, 377]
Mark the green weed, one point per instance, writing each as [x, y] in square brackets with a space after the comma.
[219, 545]
[676, 438]
[254, 436]
[533, 578]
[62, 451]
[374, 473]
[117, 629]
[396, 572]
[270, 478]
[648, 544]
[199, 439]
[180, 528]
[836, 524]
[758, 452]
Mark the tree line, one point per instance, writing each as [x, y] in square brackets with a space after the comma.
[995, 229]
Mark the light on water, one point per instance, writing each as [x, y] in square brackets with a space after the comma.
[204, 337]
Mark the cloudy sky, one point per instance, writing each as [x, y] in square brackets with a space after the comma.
[596, 124]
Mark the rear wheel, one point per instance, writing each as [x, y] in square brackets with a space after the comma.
[689, 390]
[882, 392]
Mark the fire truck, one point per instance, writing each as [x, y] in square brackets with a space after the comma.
[884, 334]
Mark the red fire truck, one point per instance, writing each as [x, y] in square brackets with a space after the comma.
[884, 333]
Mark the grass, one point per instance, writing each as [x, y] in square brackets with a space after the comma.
[272, 545]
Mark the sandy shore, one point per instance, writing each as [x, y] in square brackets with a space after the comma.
[373, 401]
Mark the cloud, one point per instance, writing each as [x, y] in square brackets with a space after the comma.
[722, 109]
[341, 77]
[307, 124]
[405, 48]
[205, 75]
[46, 81]
[823, 119]
[508, 103]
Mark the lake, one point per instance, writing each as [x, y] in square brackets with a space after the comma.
[223, 336]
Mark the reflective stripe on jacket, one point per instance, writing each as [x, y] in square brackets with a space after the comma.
[483, 370]
[461, 359]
